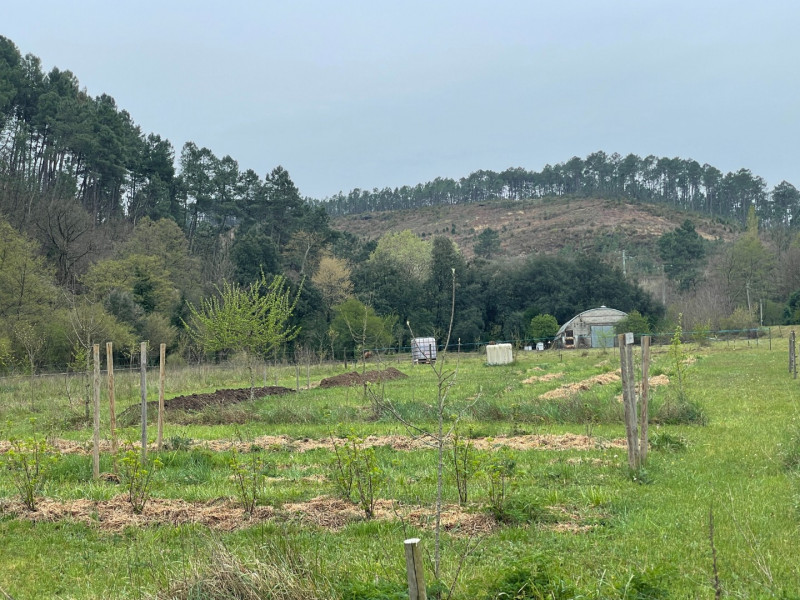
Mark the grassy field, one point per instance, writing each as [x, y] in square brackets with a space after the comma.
[573, 522]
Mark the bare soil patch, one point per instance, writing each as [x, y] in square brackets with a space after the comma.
[198, 402]
[355, 378]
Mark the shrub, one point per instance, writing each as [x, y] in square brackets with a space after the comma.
[355, 467]
[500, 471]
[465, 464]
[248, 475]
[29, 461]
[137, 474]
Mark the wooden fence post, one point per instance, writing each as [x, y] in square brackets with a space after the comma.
[112, 409]
[629, 400]
[143, 388]
[416, 574]
[162, 376]
[643, 408]
[96, 432]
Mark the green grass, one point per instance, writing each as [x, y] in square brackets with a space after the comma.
[579, 522]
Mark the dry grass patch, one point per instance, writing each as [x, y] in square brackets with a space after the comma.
[545, 377]
[570, 389]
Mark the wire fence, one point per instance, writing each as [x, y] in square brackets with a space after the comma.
[754, 335]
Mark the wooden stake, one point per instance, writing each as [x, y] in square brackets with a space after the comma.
[629, 400]
[162, 376]
[143, 389]
[643, 408]
[111, 403]
[416, 574]
[96, 436]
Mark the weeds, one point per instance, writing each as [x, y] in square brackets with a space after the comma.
[668, 442]
[279, 573]
[537, 582]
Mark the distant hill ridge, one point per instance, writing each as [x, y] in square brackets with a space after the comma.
[682, 184]
[545, 226]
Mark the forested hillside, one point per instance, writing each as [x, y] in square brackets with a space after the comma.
[684, 184]
[107, 233]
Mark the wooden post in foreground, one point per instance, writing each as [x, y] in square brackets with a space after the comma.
[96, 432]
[112, 409]
[629, 399]
[162, 377]
[143, 388]
[416, 574]
[643, 409]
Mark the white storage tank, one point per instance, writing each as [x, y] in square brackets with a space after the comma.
[499, 354]
[423, 350]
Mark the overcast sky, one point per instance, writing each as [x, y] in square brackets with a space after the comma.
[374, 94]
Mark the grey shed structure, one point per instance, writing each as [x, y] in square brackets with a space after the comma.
[592, 328]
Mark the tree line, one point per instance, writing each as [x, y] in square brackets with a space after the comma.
[684, 184]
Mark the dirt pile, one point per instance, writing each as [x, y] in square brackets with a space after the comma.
[354, 378]
[198, 402]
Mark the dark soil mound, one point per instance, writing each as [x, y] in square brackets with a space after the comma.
[198, 402]
[361, 378]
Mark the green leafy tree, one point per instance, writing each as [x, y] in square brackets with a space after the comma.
[791, 312]
[332, 279]
[355, 326]
[682, 252]
[634, 323]
[488, 244]
[254, 252]
[253, 320]
[411, 254]
[747, 267]
[445, 257]
[543, 327]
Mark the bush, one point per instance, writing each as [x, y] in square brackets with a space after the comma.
[355, 468]
[248, 476]
[29, 461]
[137, 474]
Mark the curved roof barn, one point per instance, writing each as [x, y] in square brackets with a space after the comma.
[593, 328]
